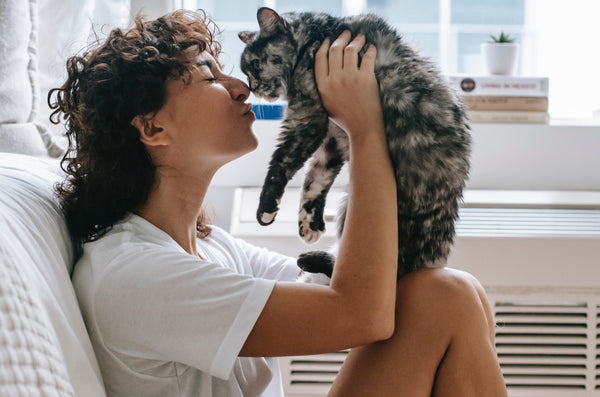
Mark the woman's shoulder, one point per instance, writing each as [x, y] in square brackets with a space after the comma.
[229, 248]
[217, 233]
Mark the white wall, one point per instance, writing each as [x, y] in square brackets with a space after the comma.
[152, 8]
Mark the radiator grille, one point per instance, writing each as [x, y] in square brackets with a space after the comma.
[319, 370]
[542, 345]
[527, 222]
[476, 218]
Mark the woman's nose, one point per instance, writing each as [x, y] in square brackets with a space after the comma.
[238, 90]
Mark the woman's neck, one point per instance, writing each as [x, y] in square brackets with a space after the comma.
[175, 204]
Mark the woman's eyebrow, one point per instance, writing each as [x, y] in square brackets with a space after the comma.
[204, 62]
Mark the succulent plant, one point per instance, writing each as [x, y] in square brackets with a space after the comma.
[502, 38]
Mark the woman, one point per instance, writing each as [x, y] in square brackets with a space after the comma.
[177, 308]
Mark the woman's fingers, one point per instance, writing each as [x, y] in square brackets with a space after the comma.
[336, 52]
[368, 60]
[351, 52]
[349, 94]
[322, 62]
[342, 54]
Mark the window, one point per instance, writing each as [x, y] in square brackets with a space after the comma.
[557, 38]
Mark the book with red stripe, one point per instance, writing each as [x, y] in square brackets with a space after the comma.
[500, 85]
[515, 103]
[498, 116]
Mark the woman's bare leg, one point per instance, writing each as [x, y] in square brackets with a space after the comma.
[443, 344]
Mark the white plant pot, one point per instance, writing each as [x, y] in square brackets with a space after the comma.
[500, 58]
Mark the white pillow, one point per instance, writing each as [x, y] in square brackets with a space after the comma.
[57, 42]
[79, 19]
[34, 53]
[19, 89]
[36, 242]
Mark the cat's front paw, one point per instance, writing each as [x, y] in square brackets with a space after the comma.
[310, 227]
[267, 210]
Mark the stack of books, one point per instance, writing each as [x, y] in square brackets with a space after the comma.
[504, 99]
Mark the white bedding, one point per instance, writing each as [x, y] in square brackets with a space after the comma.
[40, 324]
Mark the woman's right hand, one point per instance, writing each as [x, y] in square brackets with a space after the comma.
[350, 94]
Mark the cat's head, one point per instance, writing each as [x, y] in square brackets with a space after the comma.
[269, 56]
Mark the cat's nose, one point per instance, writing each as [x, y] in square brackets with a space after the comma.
[253, 85]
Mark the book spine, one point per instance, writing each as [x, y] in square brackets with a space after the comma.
[500, 86]
[507, 103]
[479, 116]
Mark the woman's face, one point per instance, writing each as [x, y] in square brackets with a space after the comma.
[208, 122]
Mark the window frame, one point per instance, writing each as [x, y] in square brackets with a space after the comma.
[449, 59]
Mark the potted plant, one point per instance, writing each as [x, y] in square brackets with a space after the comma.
[500, 54]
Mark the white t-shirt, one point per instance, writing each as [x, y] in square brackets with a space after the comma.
[166, 323]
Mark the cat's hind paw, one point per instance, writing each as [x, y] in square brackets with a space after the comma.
[309, 229]
[314, 278]
[317, 262]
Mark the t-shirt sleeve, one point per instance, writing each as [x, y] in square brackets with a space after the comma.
[268, 264]
[167, 305]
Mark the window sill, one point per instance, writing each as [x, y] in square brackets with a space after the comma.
[555, 123]
[276, 111]
[562, 155]
[575, 123]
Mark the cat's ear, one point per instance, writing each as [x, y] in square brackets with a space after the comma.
[270, 21]
[247, 36]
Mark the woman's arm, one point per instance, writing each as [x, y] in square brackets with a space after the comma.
[358, 307]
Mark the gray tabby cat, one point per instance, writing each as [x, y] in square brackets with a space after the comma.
[425, 124]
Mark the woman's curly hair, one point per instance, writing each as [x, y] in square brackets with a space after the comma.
[109, 171]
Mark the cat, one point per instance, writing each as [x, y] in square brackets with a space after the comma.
[426, 127]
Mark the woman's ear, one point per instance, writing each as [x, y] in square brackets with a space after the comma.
[151, 133]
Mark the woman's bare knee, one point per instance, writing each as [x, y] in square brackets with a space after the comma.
[443, 289]
[469, 366]
[452, 296]
[480, 299]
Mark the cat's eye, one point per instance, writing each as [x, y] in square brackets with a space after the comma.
[277, 60]
[255, 64]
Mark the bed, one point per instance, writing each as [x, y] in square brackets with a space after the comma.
[44, 349]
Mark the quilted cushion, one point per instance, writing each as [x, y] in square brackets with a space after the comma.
[19, 86]
[37, 256]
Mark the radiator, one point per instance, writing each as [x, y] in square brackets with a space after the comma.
[537, 253]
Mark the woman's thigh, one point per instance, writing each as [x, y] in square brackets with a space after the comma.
[438, 313]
